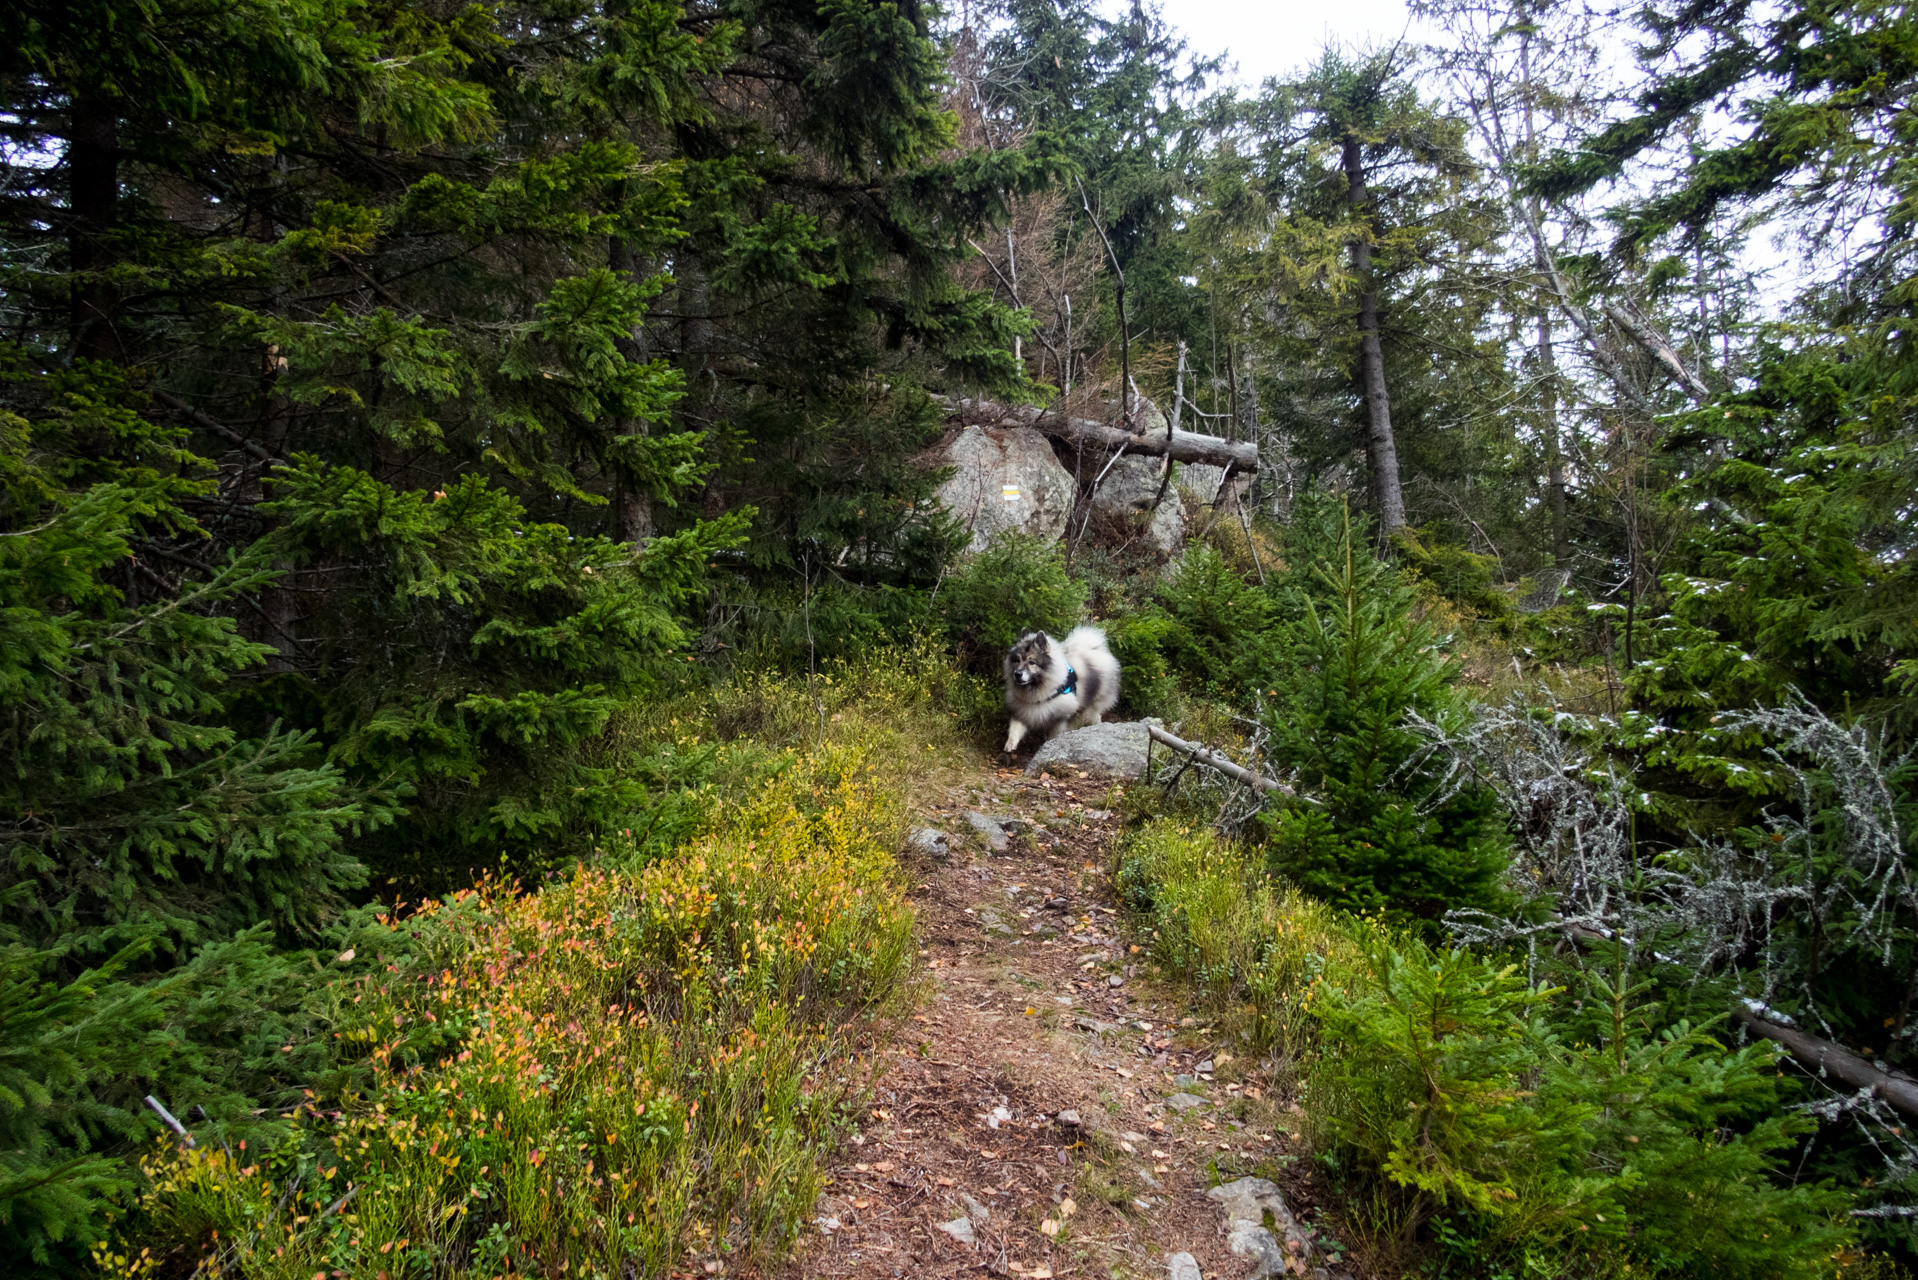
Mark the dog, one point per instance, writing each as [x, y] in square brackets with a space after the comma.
[1051, 682]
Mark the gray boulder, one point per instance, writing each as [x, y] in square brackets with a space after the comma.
[1115, 750]
[990, 461]
[930, 842]
[1284, 1248]
[990, 830]
[1206, 484]
[1128, 491]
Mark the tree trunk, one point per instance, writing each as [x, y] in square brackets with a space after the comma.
[1381, 446]
[93, 197]
[697, 406]
[1825, 1059]
[1554, 451]
[632, 508]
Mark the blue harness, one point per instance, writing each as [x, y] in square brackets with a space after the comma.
[1071, 685]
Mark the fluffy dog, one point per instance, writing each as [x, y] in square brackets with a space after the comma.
[1050, 683]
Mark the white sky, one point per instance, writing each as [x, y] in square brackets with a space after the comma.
[1275, 37]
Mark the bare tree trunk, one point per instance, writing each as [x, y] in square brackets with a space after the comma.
[696, 407]
[1554, 449]
[93, 194]
[632, 508]
[279, 605]
[1381, 446]
[1547, 357]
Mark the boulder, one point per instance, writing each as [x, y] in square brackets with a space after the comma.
[1285, 1248]
[932, 843]
[1201, 482]
[994, 462]
[1128, 492]
[1115, 750]
[989, 830]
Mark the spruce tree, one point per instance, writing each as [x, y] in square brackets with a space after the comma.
[1374, 829]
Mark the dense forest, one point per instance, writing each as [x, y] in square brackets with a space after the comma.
[473, 566]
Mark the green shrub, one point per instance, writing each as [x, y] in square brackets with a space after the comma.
[1372, 831]
[1466, 579]
[1462, 1109]
[1017, 584]
[1224, 641]
[1147, 684]
[1445, 1085]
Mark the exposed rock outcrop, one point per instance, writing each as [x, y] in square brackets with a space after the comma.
[1128, 492]
[1005, 478]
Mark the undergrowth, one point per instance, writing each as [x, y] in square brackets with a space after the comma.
[633, 1063]
[1474, 1121]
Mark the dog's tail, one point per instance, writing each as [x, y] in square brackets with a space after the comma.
[1087, 638]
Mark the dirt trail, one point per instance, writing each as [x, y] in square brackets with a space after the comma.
[1026, 1102]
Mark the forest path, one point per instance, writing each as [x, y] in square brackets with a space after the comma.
[1027, 1103]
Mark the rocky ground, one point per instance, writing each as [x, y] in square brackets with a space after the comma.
[1050, 1110]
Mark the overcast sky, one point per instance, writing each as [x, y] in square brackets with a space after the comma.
[1274, 37]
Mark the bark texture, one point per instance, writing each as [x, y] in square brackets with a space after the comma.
[1381, 446]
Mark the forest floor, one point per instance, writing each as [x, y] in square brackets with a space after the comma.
[1046, 1109]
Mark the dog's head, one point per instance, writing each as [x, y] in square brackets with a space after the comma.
[1030, 660]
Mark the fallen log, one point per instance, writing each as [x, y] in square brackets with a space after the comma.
[1183, 446]
[1823, 1058]
[1820, 1057]
[1213, 760]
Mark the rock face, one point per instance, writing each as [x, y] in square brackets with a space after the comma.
[989, 460]
[1115, 750]
[1128, 491]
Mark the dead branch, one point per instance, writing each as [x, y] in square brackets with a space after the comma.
[1213, 760]
[1823, 1058]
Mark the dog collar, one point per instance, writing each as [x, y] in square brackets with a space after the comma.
[1071, 685]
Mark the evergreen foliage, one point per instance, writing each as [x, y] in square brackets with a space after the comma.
[1017, 584]
[1374, 830]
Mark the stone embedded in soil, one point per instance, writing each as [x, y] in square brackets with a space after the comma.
[959, 1229]
[930, 842]
[1184, 1102]
[1256, 1243]
[1095, 1026]
[1285, 1248]
[1182, 1266]
[993, 923]
[1070, 1119]
[975, 1211]
[1115, 750]
[991, 829]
